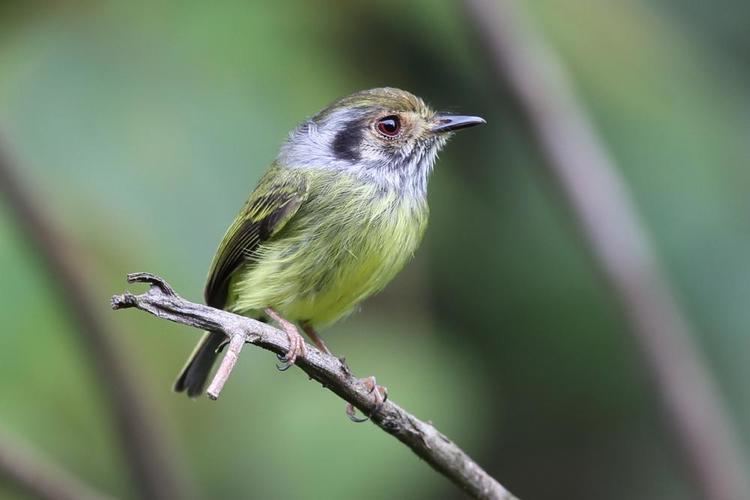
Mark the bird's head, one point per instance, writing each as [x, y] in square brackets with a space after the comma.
[386, 135]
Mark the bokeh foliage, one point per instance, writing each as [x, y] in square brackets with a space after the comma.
[142, 126]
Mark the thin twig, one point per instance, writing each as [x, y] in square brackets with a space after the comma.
[589, 182]
[226, 366]
[146, 451]
[424, 439]
[30, 472]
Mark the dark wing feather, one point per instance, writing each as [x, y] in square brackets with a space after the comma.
[276, 199]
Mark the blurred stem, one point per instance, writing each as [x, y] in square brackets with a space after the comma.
[589, 182]
[146, 452]
[31, 473]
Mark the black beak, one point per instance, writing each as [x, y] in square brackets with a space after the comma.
[449, 123]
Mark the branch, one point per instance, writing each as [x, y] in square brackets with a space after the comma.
[589, 182]
[28, 471]
[153, 473]
[424, 439]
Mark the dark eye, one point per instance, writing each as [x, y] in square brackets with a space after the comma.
[389, 126]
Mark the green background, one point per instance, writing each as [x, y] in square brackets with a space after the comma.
[142, 126]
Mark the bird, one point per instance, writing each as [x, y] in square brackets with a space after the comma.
[336, 216]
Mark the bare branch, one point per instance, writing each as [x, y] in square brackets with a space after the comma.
[147, 453]
[30, 472]
[589, 182]
[227, 365]
[424, 439]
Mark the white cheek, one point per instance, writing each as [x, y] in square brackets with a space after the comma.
[373, 154]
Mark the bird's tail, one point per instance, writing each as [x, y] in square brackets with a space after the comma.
[193, 377]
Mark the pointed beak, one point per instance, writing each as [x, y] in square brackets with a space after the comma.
[448, 123]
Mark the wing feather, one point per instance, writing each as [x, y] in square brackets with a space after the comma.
[274, 202]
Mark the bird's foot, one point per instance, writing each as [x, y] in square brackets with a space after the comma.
[379, 394]
[296, 342]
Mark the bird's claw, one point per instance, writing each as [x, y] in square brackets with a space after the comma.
[296, 342]
[296, 349]
[284, 366]
[380, 395]
[351, 412]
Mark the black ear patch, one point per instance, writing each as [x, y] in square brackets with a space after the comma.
[346, 144]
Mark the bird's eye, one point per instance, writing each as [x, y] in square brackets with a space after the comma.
[389, 126]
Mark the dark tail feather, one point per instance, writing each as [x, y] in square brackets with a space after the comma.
[194, 375]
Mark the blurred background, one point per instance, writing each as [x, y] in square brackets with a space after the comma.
[140, 127]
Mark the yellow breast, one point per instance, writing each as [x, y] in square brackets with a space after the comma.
[337, 251]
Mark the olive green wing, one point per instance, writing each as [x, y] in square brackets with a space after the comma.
[274, 202]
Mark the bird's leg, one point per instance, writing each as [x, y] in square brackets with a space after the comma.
[318, 341]
[310, 331]
[296, 342]
[380, 394]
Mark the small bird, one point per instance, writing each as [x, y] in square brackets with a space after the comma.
[336, 216]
